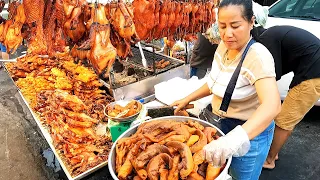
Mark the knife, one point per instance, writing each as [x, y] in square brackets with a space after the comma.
[159, 111]
[189, 106]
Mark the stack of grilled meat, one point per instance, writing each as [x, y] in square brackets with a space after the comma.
[70, 104]
[73, 131]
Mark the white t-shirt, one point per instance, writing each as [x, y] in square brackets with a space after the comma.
[257, 64]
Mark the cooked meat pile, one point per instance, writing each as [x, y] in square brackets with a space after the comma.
[166, 149]
[96, 32]
[73, 130]
[132, 108]
[69, 102]
[162, 64]
[34, 74]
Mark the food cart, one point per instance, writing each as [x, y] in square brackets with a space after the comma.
[67, 74]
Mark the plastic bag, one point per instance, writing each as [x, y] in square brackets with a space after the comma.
[260, 13]
[212, 34]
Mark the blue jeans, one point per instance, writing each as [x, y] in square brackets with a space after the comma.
[199, 72]
[3, 48]
[193, 71]
[249, 166]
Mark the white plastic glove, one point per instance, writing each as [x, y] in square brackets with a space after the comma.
[235, 143]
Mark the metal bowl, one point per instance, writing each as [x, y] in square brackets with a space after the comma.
[133, 129]
[122, 119]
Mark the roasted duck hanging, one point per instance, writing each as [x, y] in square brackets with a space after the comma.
[34, 10]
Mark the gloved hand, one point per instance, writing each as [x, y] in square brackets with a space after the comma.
[235, 143]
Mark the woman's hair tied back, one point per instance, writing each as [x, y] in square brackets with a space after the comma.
[247, 7]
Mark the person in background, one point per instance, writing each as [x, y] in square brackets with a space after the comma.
[265, 2]
[4, 54]
[268, 2]
[168, 45]
[298, 51]
[255, 102]
[202, 56]
[259, 2]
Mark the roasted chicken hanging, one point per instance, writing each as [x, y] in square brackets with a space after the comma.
[144, 17]
[74, 26]
[124, 31]
[163, 19]
[180, 20]
[10, 31]
[12, 9]
[53, 28]
[55, 25]
[122, 21]
[103, 53]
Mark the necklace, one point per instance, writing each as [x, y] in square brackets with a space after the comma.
[223, 66]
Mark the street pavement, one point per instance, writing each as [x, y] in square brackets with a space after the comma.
[24, 153]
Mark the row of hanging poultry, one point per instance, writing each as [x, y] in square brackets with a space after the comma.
[99, 32]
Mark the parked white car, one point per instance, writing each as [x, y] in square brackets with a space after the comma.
[304, 14]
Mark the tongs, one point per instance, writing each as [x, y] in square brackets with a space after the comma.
[123, 113]
[144, 61]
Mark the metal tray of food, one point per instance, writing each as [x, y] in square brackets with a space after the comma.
[48, 138]
[153, 57]
[133, 129]
[134, 71]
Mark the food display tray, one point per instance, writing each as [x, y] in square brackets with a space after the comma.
[47, 136]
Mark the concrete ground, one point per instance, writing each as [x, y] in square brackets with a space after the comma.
[22, 145]
[299, 158]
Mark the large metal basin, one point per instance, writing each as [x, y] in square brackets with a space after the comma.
[132, 130]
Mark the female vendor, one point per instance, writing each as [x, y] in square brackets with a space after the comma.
[255, 101]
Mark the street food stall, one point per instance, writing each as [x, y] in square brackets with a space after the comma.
[133, 81]
[84, 75]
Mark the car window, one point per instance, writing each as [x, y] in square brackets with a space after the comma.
[283, 8]
[290, 5]
[298, 9]
[309, 4]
